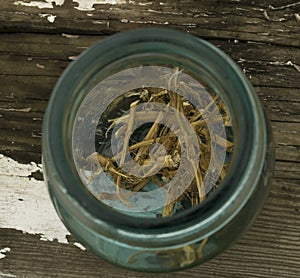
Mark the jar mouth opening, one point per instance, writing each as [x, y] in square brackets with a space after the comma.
[170, 129]
[143, 47]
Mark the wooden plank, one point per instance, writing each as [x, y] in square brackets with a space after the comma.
[252, 256]
[286, 133]
[39, 67]
[31, 64]
[287, 170]
[265, 65]
[288, 153]
[16, 88]
[262, 36]
[210, 19]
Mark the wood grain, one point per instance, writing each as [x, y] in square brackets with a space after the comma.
[31, 64]
[244, 20]
[262, 36]
[271, 248]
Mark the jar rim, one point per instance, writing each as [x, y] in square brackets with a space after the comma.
[206, 218]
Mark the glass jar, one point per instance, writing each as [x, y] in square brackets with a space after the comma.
[136, 240]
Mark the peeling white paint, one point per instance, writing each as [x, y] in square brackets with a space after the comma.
[265, 13]
[99, 22]
[83, 5]
[88, 5]
[40, 5]
[10, 167]
[80, 246]
[72, 58]
[50, 17]
[25, 202]
[46, 4]
[193, 25]
[264, 34]
[39, 66]
[290, 63]
[68, 36]
[146, 22]
[4, 275]
[25, 109]
[169, 13]
[3, 252]
[285, 6]
[241, 9]
[145, 3]
[26, 205]
[275, 63]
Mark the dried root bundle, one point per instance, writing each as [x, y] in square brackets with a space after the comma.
[138, 144]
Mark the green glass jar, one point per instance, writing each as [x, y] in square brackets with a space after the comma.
[133, 236]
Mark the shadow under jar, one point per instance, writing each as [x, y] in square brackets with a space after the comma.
[156, 150]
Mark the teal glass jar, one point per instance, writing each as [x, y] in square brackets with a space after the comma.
[134, 234]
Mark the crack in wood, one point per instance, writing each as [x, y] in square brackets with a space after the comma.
[285, 6]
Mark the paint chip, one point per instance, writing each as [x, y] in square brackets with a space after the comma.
[50, 17]
[47, 4]
[40, 5]
[35, 214]
[80, 246]
[88, 5]
[68, 36]
[146, 3]
[3, 252]
[72, 58]
[40, 66]
[290, 63]
[4, 275]
[27, 109]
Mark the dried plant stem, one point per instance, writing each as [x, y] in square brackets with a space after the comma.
[200, 248]
[199, 121]
[138, 145]
[105, 163]
[121, 197]
[125, 149]
[199, 182]
[152, 134]
[128, 133]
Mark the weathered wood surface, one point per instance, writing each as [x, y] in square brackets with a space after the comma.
[263, 37]
[268, 21]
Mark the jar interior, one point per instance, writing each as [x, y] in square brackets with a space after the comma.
[153, 140]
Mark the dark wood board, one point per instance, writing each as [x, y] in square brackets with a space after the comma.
[263, 37]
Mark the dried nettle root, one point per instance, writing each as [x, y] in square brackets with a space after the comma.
[156, 133]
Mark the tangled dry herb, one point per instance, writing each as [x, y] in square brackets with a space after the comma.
[138, 144]
[182, 256]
